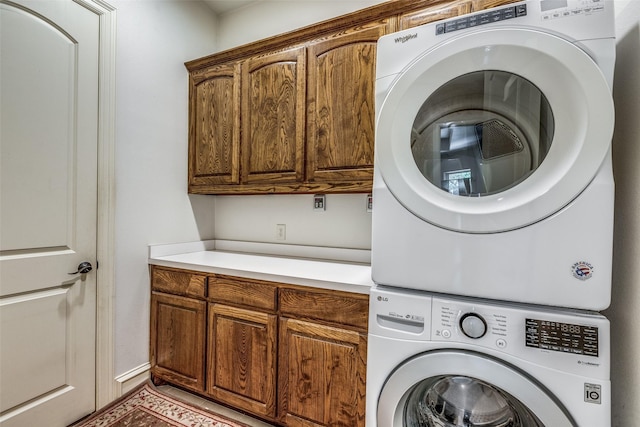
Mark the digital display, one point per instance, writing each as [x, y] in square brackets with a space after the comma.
[562, 337]
[546, 5]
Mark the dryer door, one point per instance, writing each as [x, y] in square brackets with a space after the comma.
[494, 130]
[458, 388]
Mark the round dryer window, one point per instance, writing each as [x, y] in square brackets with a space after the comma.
[482, 133]
[493, 130]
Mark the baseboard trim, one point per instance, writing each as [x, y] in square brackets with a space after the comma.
[133, 378]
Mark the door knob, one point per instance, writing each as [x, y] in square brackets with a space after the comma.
[83, 268]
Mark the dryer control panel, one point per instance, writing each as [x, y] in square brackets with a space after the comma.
[481, 18]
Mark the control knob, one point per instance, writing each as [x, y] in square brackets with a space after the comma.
[473, 325]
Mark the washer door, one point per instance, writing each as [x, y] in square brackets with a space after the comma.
[494, 130]
[465, 389]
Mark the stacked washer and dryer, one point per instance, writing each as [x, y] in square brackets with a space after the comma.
[493, 220]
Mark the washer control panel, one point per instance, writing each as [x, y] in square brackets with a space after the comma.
[563, 337]
[454, 320]
[571, 340]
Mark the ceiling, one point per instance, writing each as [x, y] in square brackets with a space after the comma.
[222, 6]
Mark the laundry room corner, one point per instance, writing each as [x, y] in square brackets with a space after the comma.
[625, 334]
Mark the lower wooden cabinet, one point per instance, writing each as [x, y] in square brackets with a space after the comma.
[322, 375]
[290, 355]
[241, 362]
[177, 340]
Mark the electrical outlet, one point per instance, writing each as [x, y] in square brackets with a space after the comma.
[319, 202]
[281, 232]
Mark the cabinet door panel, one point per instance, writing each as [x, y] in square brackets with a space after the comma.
[341, 106]
[177, 339]
[241, 362]
[322, 375]
[214, 133]
[273, 108]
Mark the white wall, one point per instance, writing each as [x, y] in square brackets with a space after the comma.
[268, 18]
[623, 313]
[345, 223]
[154, 39]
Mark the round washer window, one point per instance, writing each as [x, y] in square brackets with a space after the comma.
[482, 133]
[452, 401]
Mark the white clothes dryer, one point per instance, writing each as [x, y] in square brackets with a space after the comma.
[493, 172]
[436, 361]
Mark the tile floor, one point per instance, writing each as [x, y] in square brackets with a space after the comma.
[211, 406]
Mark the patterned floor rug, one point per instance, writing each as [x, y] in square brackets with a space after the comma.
[147, 407]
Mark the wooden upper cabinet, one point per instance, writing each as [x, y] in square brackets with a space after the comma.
[273, 108]
[214, 128]
[435, 13]
[295, 113]
[341, 107]
[477, 5]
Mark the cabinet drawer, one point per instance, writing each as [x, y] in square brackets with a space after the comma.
[178, 282]
[238, 291]
[331, 306]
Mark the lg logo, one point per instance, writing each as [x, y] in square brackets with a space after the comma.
[381, 298]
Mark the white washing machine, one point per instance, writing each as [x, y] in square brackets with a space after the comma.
[493, 172]
[436, 361]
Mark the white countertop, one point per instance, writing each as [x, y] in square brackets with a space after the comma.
[215, 257]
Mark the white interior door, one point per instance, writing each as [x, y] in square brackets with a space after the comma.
[48, 199]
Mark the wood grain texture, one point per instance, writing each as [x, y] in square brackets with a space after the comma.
[322, 375]
[434, 13]
[341, 308]
[363, 186]
[477, 5]
[244, 292]
[241, 362]
[315, 31]
[273, 114]
[249, 358]
[214, 137]
[177, 340]
[178, 282]
[340, 103]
